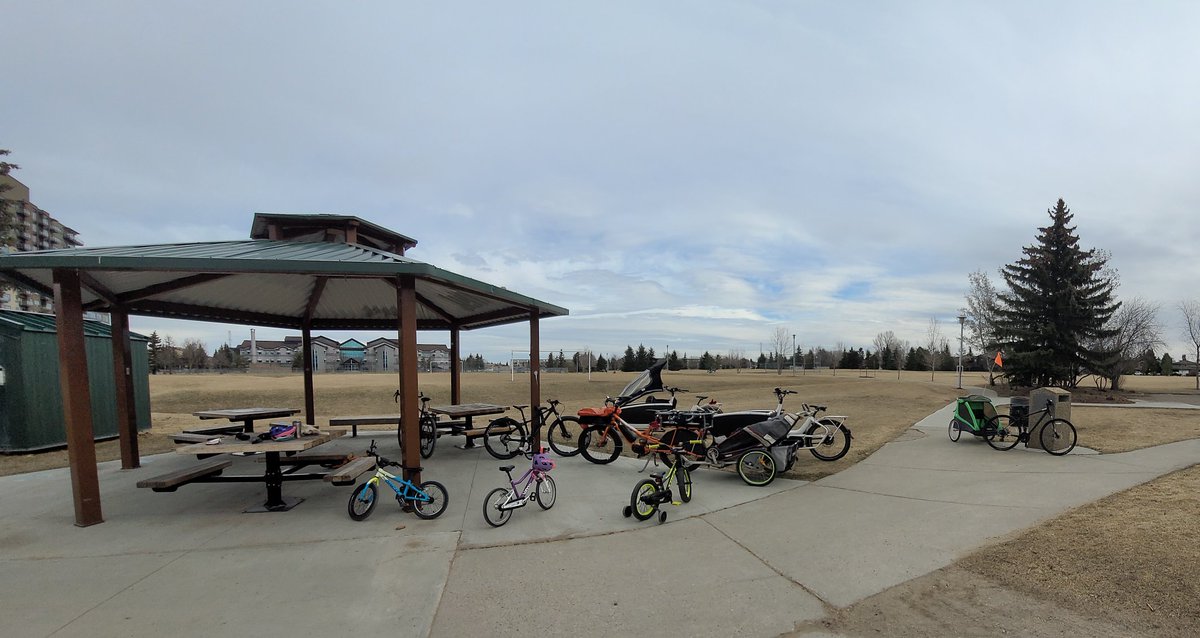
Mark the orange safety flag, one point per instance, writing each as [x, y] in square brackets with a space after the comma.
[999, 359]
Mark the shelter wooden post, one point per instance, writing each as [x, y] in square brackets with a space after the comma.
[406, 306]
[310, 414]
[76, 397]
[455, 368]
[535, 379]
[123, 388]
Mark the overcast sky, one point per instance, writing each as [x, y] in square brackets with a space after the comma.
[682, 174]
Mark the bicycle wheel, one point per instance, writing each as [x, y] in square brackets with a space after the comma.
[362, 501]
[599, 444]
[683, 438]
[1001, 433]
[830, 441]
[428, 436]
[504, 438]
[955, 433]
[641, 509]
[563, 436]
[546, 492]
[491, 507]
[684, 478]
[1058, 437]
[438, 499]
[757, 468]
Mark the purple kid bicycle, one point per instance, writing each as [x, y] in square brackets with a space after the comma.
[500, 502]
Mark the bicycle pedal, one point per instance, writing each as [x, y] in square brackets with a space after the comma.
[676, 503]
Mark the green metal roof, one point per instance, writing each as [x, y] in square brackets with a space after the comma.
[36, 322]
[273, 283]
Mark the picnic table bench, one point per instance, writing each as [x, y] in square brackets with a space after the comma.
[171, 481]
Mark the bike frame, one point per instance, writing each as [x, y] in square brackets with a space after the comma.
[1023, 427]
[517, 495]
[400, 485]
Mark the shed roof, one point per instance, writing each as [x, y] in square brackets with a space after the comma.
[277, 283]
[37, 322]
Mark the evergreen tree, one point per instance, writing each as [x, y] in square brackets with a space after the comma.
[628, 362]
[1150, 363]
[1060, 297]
[601, 364]
[639, 359]
[1166, 365]
[706, 361]
[915, 359]
[152, 350]
[673, 362]
[762, 361]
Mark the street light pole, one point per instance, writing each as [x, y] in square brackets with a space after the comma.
[962, 322]
[793, 354]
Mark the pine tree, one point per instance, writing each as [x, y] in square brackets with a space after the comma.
[1059, 299]
[601, 364]
[152, 349]
[627, 361]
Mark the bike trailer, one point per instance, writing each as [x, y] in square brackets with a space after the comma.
[764, 434]
[972, 412]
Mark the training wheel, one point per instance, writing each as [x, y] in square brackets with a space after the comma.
[628, 511]
[662, 517]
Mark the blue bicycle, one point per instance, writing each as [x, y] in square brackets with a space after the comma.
[426, 501]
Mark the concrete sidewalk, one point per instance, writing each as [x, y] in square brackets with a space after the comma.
[737, 559]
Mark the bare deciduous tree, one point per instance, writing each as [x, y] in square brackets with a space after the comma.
[933, 342]
[1135, 329]
[1191, 317]
[780, 340]
[981, 319]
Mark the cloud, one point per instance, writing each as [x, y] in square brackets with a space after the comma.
[666, 171]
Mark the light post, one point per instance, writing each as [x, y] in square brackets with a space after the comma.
[793, 354]
[962, 322]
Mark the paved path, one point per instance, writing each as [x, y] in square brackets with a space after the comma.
[735, 560]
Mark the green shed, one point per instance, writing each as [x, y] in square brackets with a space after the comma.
[31, 412]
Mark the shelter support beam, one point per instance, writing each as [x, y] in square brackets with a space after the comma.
[310, 413]
[76, 397]
[123, 387]
[535, 379]
[406, 304]
[455, 367]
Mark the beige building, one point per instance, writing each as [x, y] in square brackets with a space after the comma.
[35, 230]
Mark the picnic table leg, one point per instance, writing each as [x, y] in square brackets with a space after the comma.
[276, 502]
[470, 443]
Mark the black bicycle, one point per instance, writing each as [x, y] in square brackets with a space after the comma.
[1057, 436]
[506, 437]
[428, 427]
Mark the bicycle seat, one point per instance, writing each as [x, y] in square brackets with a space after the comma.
[521, 407]
[424, 399]
[507, 468]
[554, 402]
[657, 476]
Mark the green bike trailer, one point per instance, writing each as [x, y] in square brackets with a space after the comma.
[970, 414]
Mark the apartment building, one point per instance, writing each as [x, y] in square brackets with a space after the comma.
[35, 229]
[351, 355]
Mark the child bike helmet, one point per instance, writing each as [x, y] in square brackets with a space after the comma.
[542, 462]
[283, 432]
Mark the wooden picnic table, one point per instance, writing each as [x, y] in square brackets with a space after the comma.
[274, 475]
[465, 412]
[247, 417]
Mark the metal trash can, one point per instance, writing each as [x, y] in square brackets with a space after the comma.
[1018, 410]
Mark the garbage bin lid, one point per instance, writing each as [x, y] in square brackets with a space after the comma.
[1019, 401]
